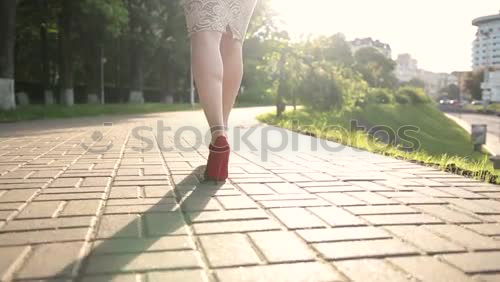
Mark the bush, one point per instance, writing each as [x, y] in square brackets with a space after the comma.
[414, 95]
[401, 99]
[379, 96]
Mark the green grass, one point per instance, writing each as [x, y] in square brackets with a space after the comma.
[33, 112]
[442, 142]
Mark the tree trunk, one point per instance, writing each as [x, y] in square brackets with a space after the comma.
[167, 85]
[136, 72]
[66, 68]
[7, 43]
[93, 72]
[47, 89]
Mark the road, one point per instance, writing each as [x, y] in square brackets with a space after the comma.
[493, 123]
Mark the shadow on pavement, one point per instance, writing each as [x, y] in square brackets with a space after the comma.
[189, 191]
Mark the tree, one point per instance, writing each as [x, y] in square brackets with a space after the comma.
[99, 21]
[66, 52]
[7, 41]
[375, 68]
[473, 84]
[415, 82]
[452, 91]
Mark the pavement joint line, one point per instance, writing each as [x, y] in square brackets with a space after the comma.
[39, 190]
[79, 263]
[200, 251]
[17, 264]
[43, 154]
[320, 258]
[59, 209]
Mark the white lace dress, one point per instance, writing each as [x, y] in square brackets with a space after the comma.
[219, 15]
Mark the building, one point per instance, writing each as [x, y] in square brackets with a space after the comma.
[491, 86]
[406, 68]
[360, 43]
[486, 45]
[486, 54]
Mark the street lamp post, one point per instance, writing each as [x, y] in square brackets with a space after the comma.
[101, 70]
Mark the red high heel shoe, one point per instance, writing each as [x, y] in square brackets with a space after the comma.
[218, 159]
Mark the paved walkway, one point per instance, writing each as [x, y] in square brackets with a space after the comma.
[82, 200]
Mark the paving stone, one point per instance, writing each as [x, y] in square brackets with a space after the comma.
[256, 189]
[39, 210]
[80, 208]
[424, 239]
[475, 206]
[141, 208]
[47, 223]
[124, 192]
[429, 269]
[465, 237]
[340, 199]
[119, 226]
[142, 262]
[475, 262]
[485, 229]
[336, 216]
[162, 224]
[68, 197]
[280, 273]
[381, 209]
[295, 218]
[177, 275]
[10, 255]
[225, 250]
[327, 189]
[64, 257]
[236, 202]
[461, 193]
[396, 219]
[372, 198]
[138, 245]
[444, 212]
[43, 236]
[10, 206]
[17, 195]
[420, 200]
[375, 270]
[372, 186]
[65, 182]
[235, 226]
[5, 214]
[364, 249]
[282, 246]
[287, 188]
[214, 216]
[343, 234]
[110, 278]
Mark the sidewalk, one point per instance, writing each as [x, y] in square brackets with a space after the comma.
[79, 200]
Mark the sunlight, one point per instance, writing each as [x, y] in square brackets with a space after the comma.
[437, 36]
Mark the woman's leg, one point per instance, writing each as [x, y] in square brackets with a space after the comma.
[208, 75]
[232, 59]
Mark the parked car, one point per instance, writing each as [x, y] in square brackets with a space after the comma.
[477, 102]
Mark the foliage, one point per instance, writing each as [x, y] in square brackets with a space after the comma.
[441, 142]
[375, 68]
[414, 95]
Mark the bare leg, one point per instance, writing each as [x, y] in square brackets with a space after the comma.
[208, 74]
[232, 59]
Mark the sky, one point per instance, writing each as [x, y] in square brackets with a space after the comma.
[438, 33]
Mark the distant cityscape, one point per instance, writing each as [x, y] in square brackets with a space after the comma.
[485, 58]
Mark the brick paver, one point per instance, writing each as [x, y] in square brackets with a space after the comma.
[122, 208]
